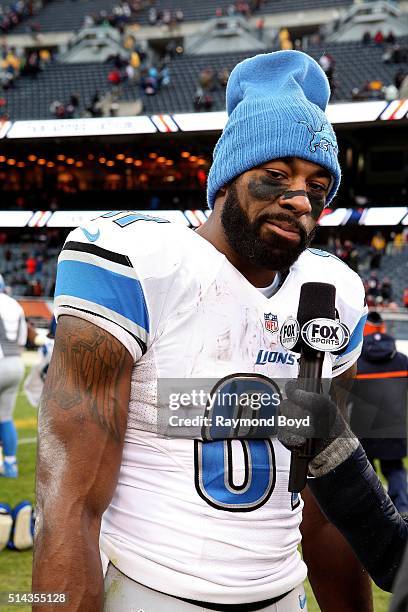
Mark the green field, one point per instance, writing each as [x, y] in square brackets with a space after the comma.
[15, 567]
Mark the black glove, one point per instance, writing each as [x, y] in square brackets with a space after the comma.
[315, 416]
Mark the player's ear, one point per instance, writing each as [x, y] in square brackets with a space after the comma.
[220, 197]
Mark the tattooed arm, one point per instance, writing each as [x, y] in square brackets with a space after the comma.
[82, 423]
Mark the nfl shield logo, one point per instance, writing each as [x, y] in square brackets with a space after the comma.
[271, 322]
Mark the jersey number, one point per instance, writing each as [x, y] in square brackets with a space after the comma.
[214, 473]
[131, 218]
[237, 475]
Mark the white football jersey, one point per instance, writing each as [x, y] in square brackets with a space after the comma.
[13, 327]
[205, 520]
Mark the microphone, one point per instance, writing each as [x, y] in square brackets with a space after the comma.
[316, 322]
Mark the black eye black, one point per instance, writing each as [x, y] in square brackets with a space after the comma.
[318, 187]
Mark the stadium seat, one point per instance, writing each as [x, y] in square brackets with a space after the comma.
[65, 15]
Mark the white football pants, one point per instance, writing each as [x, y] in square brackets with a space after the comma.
[122, 594]
[11, 372]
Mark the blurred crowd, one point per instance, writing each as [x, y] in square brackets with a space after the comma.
[148, 71]
[356, 257]
[70, 109]
[15, 61]
[165, 17]
[376, 89]
[380, 246]
[209, 81]
[126, 12]
[386, 290]
[29, 267]
[140, 69]
[118, 17]
[13, 13]
[137, 66]
[245, 9]
[379, 293]
[393, 53]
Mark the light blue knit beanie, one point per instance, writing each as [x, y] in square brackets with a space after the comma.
[275, 104]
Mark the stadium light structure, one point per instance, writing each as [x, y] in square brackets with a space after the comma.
[372, 216]
[338, 113]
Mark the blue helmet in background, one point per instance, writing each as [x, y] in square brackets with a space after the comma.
[2, 284]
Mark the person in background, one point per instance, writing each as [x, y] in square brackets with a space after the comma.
[373, 285]
[389, 248]
[378, 247]
[31, 265]
[285, 42]
[34, 383]
[13, 336]
[374, 324]
[366, 37]
[390, 38]
[386, 290]
[379, 38]
[354, 258]
[260, 27]
[398, 242]
[380, 393]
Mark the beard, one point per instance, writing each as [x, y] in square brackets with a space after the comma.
[274, 253]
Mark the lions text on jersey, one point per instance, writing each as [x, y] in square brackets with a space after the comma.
[210, 521]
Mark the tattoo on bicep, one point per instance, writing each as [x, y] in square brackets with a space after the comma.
[85, 367]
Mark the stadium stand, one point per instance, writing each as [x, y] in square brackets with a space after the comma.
[384, 277]
[49, 92]
[194, 10]
[15, 13]
[395, 268]
[31, 98]
[349, 74]
[64, 15]
[67, 15]
[29, 268]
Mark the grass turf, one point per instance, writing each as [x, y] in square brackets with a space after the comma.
[15, 567]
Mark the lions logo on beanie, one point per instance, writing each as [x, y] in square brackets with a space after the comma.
[276, 106]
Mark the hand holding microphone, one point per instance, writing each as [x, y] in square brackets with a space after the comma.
[318, 332]
[324, 420]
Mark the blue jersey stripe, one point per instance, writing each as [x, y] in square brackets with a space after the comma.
[356, 337]
[115, 291]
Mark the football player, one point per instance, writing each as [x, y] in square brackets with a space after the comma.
[188, 523]
[34, 383]
[13, 336]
